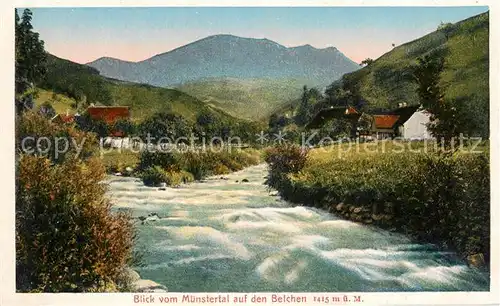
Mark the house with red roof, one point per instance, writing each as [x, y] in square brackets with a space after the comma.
[384, 126]
[110, 115]
[405, 121]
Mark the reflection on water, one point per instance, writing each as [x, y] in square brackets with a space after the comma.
[225, 235]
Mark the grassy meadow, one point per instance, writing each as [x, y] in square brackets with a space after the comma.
[252, 99]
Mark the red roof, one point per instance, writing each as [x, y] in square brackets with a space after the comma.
[385, 121]
[350, 110]
[110, 114]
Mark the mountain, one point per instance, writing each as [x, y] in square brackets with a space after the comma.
[387, 81]
[222, 56]
[67, 84]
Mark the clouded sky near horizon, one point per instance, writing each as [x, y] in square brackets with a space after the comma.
[85, 34]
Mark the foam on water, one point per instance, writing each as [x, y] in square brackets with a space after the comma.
[225, 235]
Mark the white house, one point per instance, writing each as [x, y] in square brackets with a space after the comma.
[416, 126]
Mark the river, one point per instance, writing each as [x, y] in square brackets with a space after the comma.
[226, 235]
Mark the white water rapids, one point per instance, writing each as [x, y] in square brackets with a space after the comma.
[228, 236]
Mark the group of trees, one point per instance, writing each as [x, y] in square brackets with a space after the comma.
[174, 127]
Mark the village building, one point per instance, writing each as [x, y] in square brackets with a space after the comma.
[384, 126]
[416, 126]
[340, 112]
[110, 115]
[408, 122]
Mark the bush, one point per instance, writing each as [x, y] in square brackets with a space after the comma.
[67, 238]
[169, 161]
[120, 160]
[154, 176]
[196, 165]
[31, 127]
[283, 160]
[186, 177]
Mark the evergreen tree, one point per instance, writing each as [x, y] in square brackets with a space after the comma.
[303, 112]
[30, 59]
[445, 120]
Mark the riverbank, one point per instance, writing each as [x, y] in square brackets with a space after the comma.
[443, 200]
[162, 169]
[232, 234]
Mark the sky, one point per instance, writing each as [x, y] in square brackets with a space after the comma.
[85, 34]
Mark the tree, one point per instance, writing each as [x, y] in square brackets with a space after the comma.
[303, 111]
[446, 29]
[445, 122]
[393, 45]
[30, 58]
[366, 62]
[277, 121]
[208, 125]
[310, 97]
[88, 124]
[167, 125]
[127, 127]
[365, 122]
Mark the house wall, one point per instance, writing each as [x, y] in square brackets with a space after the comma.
[415, 127]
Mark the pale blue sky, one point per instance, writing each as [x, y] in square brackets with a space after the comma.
[84, 34]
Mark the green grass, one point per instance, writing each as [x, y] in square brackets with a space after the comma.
[60, 102]
[145, 100]
[387, 81]
[254, 99]
[83, 83]
[118, 161]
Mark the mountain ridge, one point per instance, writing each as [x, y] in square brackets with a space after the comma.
[216, 35]
[226, 55]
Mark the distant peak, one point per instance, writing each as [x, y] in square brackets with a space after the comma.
[331, 49]
[221, 36]
[108, 59]
[309, 47]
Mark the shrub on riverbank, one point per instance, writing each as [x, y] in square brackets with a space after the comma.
[154, 176]
[119, 160]
[436, 198]
[67, 237]
[178, 167]
[35, 135]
